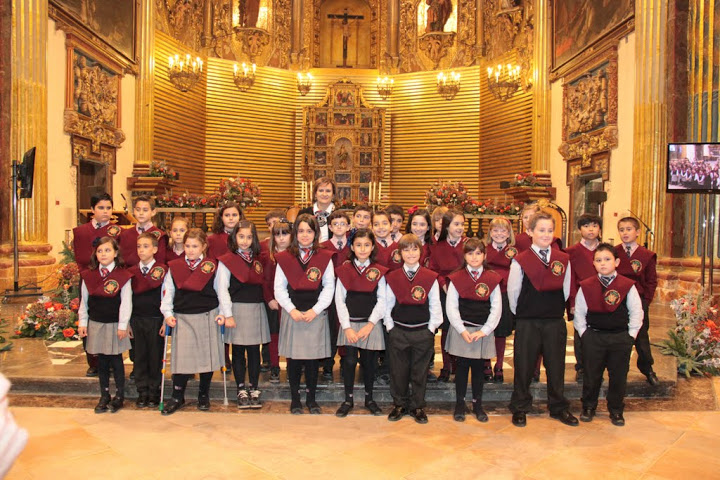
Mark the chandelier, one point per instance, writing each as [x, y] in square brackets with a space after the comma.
[244, 76]
[385, 86]
[304, 83]
[184, 74]
[503, 81]
[448, 85]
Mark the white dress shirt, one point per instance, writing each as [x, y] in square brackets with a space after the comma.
[515, 279]
[634, 305]
[125, 303]
[436, 316]
[341, 294]
[324, 229]
[282, 296]
[452, 307]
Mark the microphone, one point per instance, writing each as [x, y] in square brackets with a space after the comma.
[125, 208]
[647, 228]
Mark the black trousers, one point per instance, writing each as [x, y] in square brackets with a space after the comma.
[410, 352]
[329, 363]
[606, 350]
[642, 345]
[464, 366]
[105, 362]
[579, 356]
[532, 338]
[295, 368]
[368, 360]
[253, 364]
[148, 353]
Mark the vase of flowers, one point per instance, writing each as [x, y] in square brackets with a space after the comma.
[531, 187]
[448, 194]
[241, 191]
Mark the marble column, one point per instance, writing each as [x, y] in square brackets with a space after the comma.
[541, 88]
[650, 123]
[28, 128]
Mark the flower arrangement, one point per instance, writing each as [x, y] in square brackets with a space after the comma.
[525, 180]
[695, 340]
[187, 200]
[347, 203]
[489, 207]
[158, 168]
[241, 191]
[446, 194]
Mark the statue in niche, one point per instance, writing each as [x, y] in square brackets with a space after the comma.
[343, 157]
[438, 13]
[249, 10]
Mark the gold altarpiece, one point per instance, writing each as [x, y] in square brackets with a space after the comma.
[343, 139]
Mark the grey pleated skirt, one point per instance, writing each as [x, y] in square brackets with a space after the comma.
[196, 344]
[302, 340]
[374, 341]
[456, 345]
[251, 325]
[102, 339]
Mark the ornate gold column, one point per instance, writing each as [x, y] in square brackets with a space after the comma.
[541, 88]
[28, 114]
[144, 103]
[393, 30]
[648, 196]
[297, 21]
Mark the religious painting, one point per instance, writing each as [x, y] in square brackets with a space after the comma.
[113, 22]
[580, 24]
[343, 178]
[343, 154]
[436, 16]
[344, 98]
[320, 139]
[344, 119]
[320, 157]
[366, 120]
[344, 192]
[365, 139]
[320, 174]
[365, 159]
[364, 194]
[365, 176]
[321, 118]
[250, 14]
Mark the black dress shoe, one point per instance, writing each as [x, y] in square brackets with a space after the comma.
[479, 413]
[431, 377]
[419, 415]
[172, 406]
[519, 419]
[116, 404]
[579, 375]
[102, 405]
[344, 409]
[142, 400]
[652, 378]
[444, 376]
[265, 367]
[459, 413]
[91, 372]
[327, 375]
[498, 377]
[153, 401]
[373, 407]
[296, 407]
[587, 414]
[203, 403]
[314, 408]
[566, 417]
[617, 419]
[397, 413]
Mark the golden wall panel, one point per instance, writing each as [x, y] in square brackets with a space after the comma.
[432, 137]
[252, 134]
[178, 119]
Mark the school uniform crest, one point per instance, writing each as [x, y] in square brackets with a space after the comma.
[113, 230]
[482, 290]
[557, 268]
[511, 252]
[156, 233]
[313, 274]
[207, 267]
[257, 266]
[372, 274]
[157, 273]
[612, 297]
[636, 265]
[418, 293]
[395, 256]
[111, 287]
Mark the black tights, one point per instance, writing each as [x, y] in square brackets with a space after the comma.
[105, 362]
[311, 377]
[180, 381]
[368, 360]
[253, 365]
[461, 378]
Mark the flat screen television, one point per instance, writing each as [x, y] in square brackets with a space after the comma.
[693, 168]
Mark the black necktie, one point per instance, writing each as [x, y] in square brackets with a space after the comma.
[606, 280]
[544, 255]
[98, 226]
[629, 250]
[141, 229]
[384, 243]
[340, 245]
[452, 244]
[500, 248]
[144, 270]
[411, 274]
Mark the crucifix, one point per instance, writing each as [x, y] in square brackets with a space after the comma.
[346, 32]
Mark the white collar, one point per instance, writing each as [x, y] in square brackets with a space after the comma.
[149, 265]
[329, 208]
[408, 269]
[585, 244]
[198, 260]
[110, 267]
[537, 250]
[363, 264]
[145, 227]
[470, 269]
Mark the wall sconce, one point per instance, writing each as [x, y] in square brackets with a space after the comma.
[304, 83]
[448, 85]
[385, 86]
[503, 81]
[185, 73]
[244, 76]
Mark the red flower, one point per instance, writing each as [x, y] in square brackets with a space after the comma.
[68, 332]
